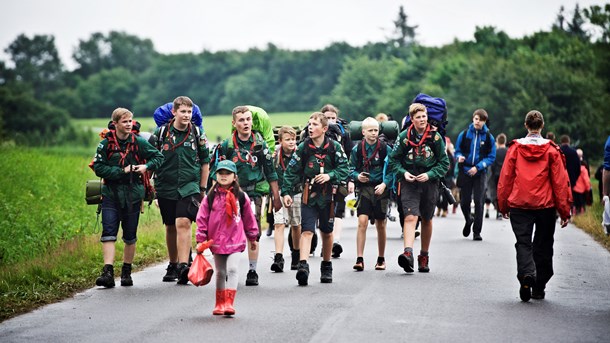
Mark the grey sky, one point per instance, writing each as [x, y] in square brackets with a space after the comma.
[195, 25]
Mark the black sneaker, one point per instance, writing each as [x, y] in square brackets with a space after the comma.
[466, 230]
[126, 275]
[106, 279]
[172, 272]
[486, 213]
[278, 263]
[183, 274]
[525, 291]
[296, 255]
[326, 272]
[302, 273]
[252, 278]
[405, 260]
[477, 237]
[537, 293]
[337, 250]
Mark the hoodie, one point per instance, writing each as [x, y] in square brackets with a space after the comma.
[534, 177]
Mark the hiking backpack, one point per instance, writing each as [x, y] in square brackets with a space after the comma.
[163, 115]
[437, 113]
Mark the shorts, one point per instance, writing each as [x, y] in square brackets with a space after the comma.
[376, 208]
[310, 216]
[256, 204]
[186, 207]
[419, 199]
[290, 216]
[112, 216]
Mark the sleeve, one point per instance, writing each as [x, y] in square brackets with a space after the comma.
[397, 155]
[293, 171]
[268, 168]
[102, 166]
[560, 183]
[441, 166]
[341, 170]
[249, 220]
[203, 149]
[489, 159]
[388, 177]
[507, 179]
[203, 216]
[154, 158]
[353, 169]
[458, 144]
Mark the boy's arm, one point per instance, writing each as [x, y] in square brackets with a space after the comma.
[489, 159]
[293, 171]
[101, 164]
[388, 177]
[268, 168]
[341, 170]
[439, 170]
[154, 158]
[353, 169]
[396, 156]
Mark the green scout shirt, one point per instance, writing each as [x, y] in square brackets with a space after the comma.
[299, 171]
[379, 173]
[254, 163]
[180, 175]
[432, 159]
[112, 172]
[281, 161]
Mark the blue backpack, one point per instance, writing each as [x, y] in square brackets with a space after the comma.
[163, 115]
[437, 112]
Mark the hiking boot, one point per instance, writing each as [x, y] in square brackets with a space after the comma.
[126, 275]
[106, 279]
[302, 273]
[467, 226]
[269, 231]
[337, 250]
[538, 293]
[326, 271]
[183, 274]
[477, 237]
[278, 263]
[359, 265]
[405, 260]
[295, 255]
[252, 278]
[172, 272]
[422, 263]
[525, 291]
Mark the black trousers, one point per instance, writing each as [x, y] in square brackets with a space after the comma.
[534, 257]
[473, 187]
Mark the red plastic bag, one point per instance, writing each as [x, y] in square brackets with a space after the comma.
[201, 270]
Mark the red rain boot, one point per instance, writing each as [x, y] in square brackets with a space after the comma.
[219, 310]
[229, 299]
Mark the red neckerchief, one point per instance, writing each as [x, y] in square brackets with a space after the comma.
[130, 141]
[231, 205]
[281, 158]
[419, 145]
[236, 146]
[171, 136]
[320, 157]
[365, 160]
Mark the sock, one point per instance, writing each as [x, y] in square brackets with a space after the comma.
[380, 260]
[279, 254]
[296, 251]
[423, 253]
[127, 264]
[408, 249]
[360, 260]
[252, 264]
[327, 263]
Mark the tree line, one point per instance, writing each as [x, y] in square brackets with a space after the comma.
[563, 72]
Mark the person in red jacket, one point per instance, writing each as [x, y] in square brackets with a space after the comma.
[533, 187]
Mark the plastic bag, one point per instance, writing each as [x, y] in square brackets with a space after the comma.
[606, 214]
[201, 271]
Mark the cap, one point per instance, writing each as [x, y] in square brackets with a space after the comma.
[227, 165]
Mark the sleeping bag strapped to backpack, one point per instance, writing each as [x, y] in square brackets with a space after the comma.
[388, 128]
[437, 112]
[163, 115]
[261, 123]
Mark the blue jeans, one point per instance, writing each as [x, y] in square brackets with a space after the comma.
[112, 215]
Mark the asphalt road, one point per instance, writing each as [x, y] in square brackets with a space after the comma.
[470, 295]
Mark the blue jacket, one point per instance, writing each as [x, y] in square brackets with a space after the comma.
[474, 157]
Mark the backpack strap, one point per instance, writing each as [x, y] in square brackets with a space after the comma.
[383, 152]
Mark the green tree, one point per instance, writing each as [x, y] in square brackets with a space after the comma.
[103, 92]
[600, 18]
[576, 25]
[404, 34]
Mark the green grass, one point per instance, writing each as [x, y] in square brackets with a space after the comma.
[590, 221]
[214, 126]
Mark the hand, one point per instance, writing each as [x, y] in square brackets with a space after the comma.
[472, 171]
[253, 245]
[409, 177]
[379, 189]
[604, 199]
[363, 178]
[287, 200]
[350, 187]
[564, 222]
[422, 177]
[321, 178]
[461, 159]
[277, 204]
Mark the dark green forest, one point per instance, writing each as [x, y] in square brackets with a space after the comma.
[563, 72]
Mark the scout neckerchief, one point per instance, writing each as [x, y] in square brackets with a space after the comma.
[417, 147]
[231, 205]
[367, 160]
[172, 137]
[281, 159]
[320, 157]
[237, 149]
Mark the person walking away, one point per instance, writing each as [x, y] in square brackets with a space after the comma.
[286, 215]
[496, 168]
[419, 162]
[533, 187]
[572, 161]
[180, 182]
[228, 221]
[368, 166]
[475, 151]
[320, 165]
[119, 161]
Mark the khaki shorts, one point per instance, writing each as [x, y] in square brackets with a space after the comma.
[290, 216]
[419, 199]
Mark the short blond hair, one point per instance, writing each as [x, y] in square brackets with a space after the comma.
[414, 108]
[382, 117]
[369, 123]
[119, 113]
[182, 100]
[286, 130]
[320, 116]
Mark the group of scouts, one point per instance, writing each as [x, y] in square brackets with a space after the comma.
[304, 182]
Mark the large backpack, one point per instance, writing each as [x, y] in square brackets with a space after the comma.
[163, 115]
[436, 109]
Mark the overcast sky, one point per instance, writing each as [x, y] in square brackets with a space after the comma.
[195, 25]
